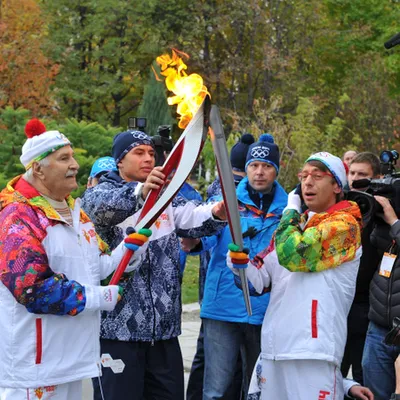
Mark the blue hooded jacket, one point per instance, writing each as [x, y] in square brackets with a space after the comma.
[223, 300]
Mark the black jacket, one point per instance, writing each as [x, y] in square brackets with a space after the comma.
[369, 263]
[385, 292]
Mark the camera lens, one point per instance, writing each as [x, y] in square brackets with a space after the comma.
[387, 156]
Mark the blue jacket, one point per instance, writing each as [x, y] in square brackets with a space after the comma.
[189, 193]
[223, 300]
[150, 308]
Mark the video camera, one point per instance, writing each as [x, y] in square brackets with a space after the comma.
[137, 123]
[388, 186]
[162, 143]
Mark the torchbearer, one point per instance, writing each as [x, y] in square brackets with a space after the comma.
[50, 269]
[142, 331]
[311, 269]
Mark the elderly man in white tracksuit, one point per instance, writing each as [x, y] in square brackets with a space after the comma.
[51, 265]
[311, 268]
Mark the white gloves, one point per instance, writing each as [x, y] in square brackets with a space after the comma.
[102, 297]
[294, 202]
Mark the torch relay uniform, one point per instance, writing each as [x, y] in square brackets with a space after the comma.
[50, 296]
[257, 380]
[143, 328]
[223, 309]
[311, 269]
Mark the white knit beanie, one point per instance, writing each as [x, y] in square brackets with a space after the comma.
[334, 164]
[40, 143]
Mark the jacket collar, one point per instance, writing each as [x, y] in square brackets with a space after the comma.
[343, 206]
[18, 190]
[278, 203]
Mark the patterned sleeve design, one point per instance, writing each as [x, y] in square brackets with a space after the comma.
[110, 202]
[24, 267]
[329, 240]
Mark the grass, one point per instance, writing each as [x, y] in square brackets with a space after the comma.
[190, 283]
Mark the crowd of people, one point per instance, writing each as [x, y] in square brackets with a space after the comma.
[324, 279]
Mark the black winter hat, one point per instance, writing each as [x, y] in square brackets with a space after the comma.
[239, 151]
[125, 141]
[264, 150]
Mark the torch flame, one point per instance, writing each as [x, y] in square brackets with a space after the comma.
[189, 90]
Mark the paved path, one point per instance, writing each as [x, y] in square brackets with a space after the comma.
[188, 341]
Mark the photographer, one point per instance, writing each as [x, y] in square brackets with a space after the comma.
[364, 166]
[378, 358]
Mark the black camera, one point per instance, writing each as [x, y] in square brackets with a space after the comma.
[388, 161]
[162, 143]
[137, 123]
[388, 186]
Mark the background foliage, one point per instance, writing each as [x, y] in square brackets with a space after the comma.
[314, 74]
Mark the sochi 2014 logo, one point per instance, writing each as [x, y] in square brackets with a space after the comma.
[260, 152]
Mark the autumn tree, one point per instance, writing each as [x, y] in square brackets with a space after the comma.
[25, 72]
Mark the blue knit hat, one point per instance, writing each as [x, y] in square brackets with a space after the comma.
[264, 150]
[239, 152]
[124, 142]
[103, 164]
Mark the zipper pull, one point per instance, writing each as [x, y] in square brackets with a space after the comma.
[152, 342]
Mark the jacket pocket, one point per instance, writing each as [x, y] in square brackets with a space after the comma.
[217, 283]
[39, 341]
[314, 321]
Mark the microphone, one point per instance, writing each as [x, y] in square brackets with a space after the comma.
[361, 183]
[393, 41]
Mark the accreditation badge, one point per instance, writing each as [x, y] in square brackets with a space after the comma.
[387, 263]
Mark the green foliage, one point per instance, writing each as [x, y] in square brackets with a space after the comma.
[12, 137]
[190, 282]
[154, 105]
[313, 73]
[90, 141]
[104, 49]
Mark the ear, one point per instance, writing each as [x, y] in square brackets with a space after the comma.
[337, 189]
[37, 171]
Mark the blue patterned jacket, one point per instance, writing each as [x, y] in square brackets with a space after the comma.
[150, 308]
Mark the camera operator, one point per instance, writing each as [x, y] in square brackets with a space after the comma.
[378, 358]
[364, 166]
[163, 143]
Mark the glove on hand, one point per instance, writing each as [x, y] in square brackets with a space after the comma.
[294, 201]
[109, 296]
[237, 259]
[136, 240]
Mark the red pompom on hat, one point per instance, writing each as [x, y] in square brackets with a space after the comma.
[34, 127]
[40, 143]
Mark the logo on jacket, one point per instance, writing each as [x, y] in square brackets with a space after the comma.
[89, 234]
[162, 219]
[50, 390]
[323, 394]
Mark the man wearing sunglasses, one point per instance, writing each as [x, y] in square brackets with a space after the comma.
[310, 268]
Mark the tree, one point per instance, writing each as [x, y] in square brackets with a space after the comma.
[26, 74]
[12, 137]
[154, 105]
[104, 49]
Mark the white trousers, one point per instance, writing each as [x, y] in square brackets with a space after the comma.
[67, 391]
[298, 379]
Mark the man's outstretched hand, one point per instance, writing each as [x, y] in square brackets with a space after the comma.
[361, 392]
